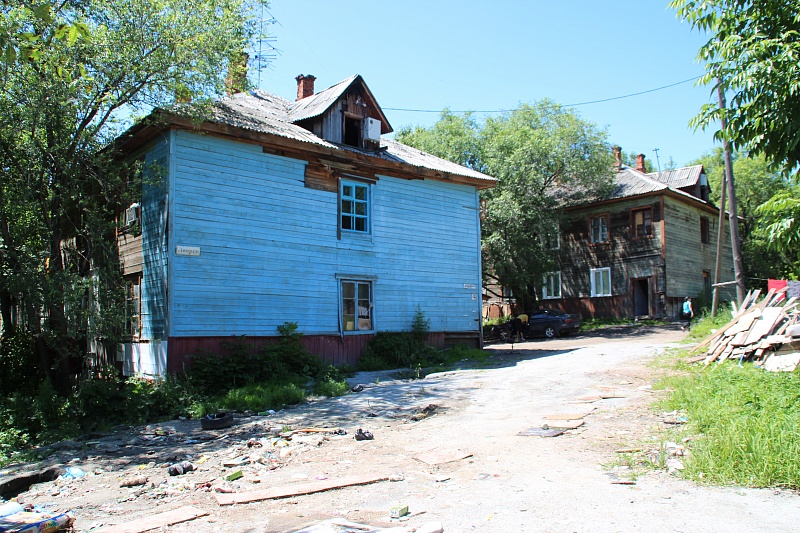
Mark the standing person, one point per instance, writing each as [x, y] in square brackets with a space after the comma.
[688, 313]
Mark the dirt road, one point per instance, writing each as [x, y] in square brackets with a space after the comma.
[499, 480]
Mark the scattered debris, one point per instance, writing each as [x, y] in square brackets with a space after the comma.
[217, 421]
[425, 412]
[437, 458]
[758, 332]
[296, 490]
[540, 432]
[178, 469]
[30, 522]
[167, 518]
[340, 525]
[134, 482]
[363, 435]
[563, 424]
[234, 476]
[397, 512]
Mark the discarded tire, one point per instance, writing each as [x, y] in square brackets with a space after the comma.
[217, 421]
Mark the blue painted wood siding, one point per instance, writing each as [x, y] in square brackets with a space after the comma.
[154, 243]
[269, 251]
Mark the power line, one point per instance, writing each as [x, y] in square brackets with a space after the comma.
[567, 105]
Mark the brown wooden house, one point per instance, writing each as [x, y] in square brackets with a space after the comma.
[641, 251]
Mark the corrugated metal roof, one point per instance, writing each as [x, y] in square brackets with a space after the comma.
[631, 182]
[680, 177]
[267, 113]
[313, 106]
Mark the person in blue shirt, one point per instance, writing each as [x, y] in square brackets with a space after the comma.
[687, 313]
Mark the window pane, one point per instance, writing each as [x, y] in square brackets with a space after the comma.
[347, 222]
[361, 193]
[361, 224]
[363, 291]
[347, 206]
[348, 289]
[361, 208]
[347, 190]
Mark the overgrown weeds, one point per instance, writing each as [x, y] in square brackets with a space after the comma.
[742, 424]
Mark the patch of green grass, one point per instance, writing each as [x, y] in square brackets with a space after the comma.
[253, 397]
[743, 422]
[331, 388]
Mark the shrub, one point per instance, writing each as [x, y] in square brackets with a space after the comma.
[19, 368]
[331, 388]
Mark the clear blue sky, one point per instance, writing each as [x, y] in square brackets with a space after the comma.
[493, 55]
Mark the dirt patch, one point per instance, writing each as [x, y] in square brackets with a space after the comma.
[494, 479]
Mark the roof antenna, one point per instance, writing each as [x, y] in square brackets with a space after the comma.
[657, 161]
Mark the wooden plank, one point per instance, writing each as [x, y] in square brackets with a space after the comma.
[438, 458]
[565, 416]
[744, 323]
[297, 490]
[770, 318]
[564, 424]
[167, 518]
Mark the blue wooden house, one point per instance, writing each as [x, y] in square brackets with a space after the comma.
[270, 211]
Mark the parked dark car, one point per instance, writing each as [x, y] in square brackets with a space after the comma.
[551, 323]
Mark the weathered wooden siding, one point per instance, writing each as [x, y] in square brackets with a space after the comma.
[687, 257]
[269, 251]
[130, 253]
[154, 244]
[628, 258]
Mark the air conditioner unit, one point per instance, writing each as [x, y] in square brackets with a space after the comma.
[132, 215]
[372, 129]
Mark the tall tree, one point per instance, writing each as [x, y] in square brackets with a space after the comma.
[753, 51]
[756, 183]
[62, 93]
[543, 156]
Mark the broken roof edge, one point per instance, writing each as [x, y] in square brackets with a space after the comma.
[160, 119]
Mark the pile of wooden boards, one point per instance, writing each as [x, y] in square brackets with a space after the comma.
[757, 333]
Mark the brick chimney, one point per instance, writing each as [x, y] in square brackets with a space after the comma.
[640, 163]
[305, 86]
[617, 151]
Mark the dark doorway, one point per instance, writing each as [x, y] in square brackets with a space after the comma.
[641, 296]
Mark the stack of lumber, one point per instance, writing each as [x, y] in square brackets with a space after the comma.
[757, 333]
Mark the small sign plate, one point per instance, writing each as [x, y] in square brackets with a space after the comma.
[470, 286]
[192, 251]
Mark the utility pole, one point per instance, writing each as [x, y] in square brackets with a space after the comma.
[720, 234]
[658, 161]
[734, 217]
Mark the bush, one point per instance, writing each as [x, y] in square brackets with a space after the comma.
[256, 398]
[19, 368]
[214, 373]
[401, 349]
[331, 388]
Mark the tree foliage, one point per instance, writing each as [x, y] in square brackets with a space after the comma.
[756, 183]
[544, 156]
[754, 50]
[780, 229]
[71, 72]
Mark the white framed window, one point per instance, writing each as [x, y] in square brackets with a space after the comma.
[551, 288]
[356, 305]
[354, 207]
[601, 281]
[599, 228]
